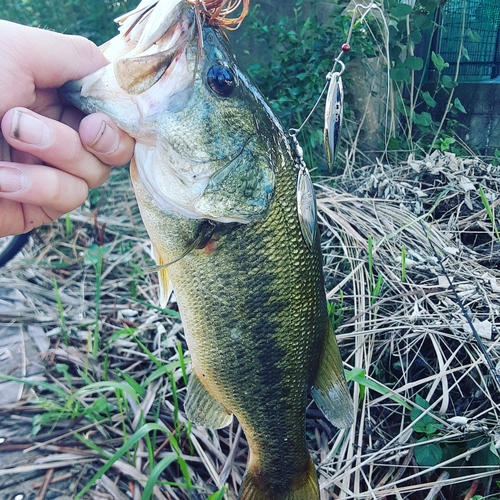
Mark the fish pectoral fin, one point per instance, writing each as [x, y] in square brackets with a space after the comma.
[165, 284]
[330, 389]
[202, 408]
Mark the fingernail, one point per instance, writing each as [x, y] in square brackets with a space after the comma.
[106, 141]
[11, 180]
[29, 129]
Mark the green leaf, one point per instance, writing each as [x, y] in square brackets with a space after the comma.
[448, 82]
[422, 21]
[445, 143]
[428, 454]
[428, 100]
[439, 62]
[483, 459]
[459, 105]
[401, 10]
[400, 73]
[424, 119]
[473, 36]
[414, 63]
[93, 252]
[426, 424]
[430, 5]
[465, 53]
[420, 401]
[416, 36]
[393, 144]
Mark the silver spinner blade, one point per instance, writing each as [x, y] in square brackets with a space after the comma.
[334, 112]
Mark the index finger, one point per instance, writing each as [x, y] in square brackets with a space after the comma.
[49, 59]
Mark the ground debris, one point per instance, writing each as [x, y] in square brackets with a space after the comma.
[113, 362]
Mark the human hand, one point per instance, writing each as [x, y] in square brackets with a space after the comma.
[46, 166]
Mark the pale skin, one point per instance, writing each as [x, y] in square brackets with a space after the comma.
[50, 153]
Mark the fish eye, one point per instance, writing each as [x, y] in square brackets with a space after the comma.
[221, 80]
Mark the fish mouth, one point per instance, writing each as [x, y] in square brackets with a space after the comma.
[158, 41]
[149, 69]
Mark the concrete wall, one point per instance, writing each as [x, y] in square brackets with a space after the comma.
[482, 103]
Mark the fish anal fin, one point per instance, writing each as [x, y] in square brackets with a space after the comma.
[202, 408]
[257, 486]
[165, 283]
[330, 389]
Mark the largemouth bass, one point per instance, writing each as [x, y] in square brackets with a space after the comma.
[216, 180]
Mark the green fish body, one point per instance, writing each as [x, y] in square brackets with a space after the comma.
[249, 285]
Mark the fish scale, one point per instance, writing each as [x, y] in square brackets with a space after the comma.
[216, 181]
[280, 313]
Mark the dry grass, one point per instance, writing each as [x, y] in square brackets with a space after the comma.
[401, 330]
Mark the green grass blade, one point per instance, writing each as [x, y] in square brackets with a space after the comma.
[68, 225]
[60, 311]
[489, 211]
[168, 312]
[370, 260]
[155, 474]
[91, 445]
[98, 280]
[160, 372]
[106, 386]
[137, 436]
[218, 495]
[148, 353]
[403, 264]
[182, 361]
[185, 473]
[359, 376]
[136, 386]
[34, 383]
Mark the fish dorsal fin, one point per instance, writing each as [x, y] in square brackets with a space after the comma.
[165, 284]
[330, 389]
[202, 408]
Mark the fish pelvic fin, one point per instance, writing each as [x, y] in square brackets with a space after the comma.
[258, 486]
[165, 283]
[330, 389]
[202, 408]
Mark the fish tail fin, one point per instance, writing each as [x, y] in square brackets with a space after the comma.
[256, 486]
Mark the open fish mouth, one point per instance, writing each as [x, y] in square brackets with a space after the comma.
[152, 37]
[149, 70]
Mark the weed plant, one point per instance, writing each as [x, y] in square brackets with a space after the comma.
[423, 113]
